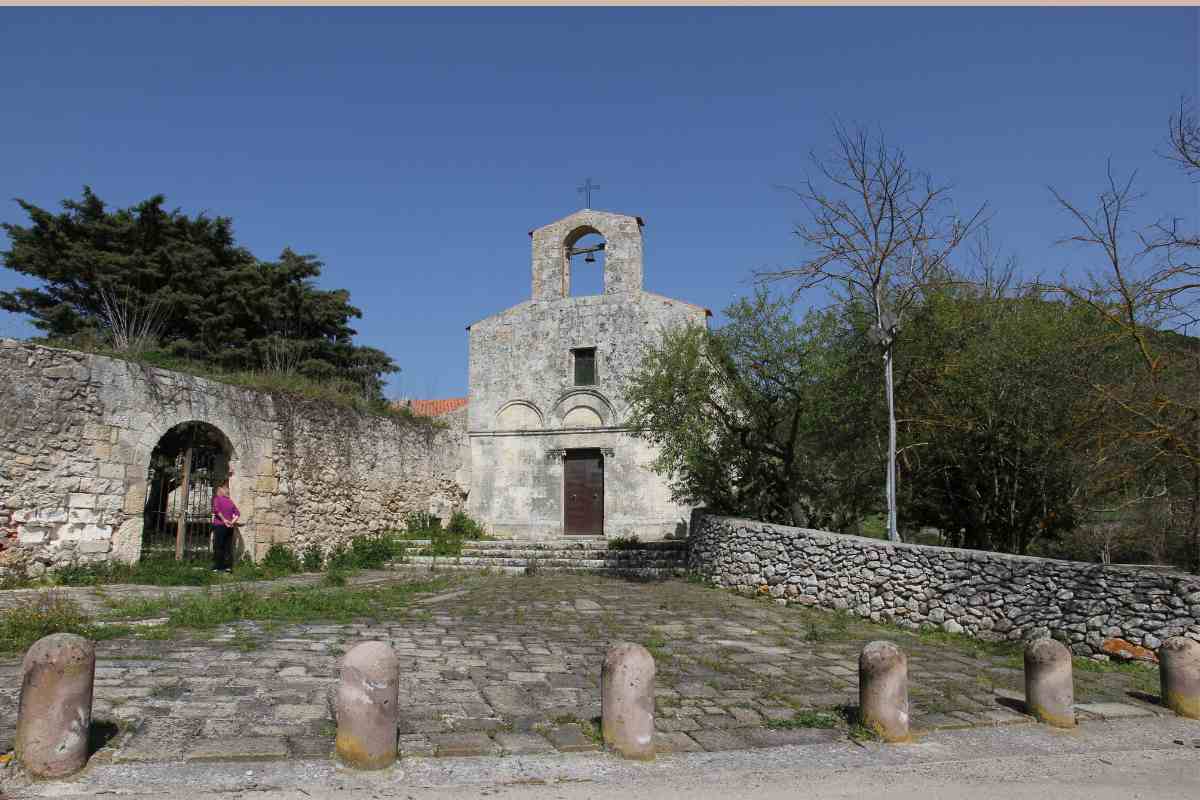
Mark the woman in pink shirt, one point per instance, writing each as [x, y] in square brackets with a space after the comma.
[225, 517]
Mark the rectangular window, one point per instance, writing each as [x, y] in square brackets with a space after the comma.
[585, 366]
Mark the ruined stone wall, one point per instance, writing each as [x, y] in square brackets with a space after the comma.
[77, 432]
[1093, 608]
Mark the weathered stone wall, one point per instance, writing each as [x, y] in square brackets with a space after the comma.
[988, 595]
[525, 408]
[77, 432]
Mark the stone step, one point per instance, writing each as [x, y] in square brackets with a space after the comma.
[579, 563]
[449, 565]
[611, 555]
[591, 544]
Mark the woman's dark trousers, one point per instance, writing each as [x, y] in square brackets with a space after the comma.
[222, 547]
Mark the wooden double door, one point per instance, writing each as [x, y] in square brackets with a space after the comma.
[583, 492]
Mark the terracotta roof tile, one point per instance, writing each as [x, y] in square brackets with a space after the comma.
[432, 408]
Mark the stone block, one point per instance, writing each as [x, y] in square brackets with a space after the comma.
[112, 471]
[32, 534]
[78, 500]
[675, 742]
[310, 747]
[570, 738]
[1113, 710]
[463, 744]
[52, 515]
[102, 546]
[135, 499]
[516, 744]
[237, 748]
[95, 533]
[82, 516]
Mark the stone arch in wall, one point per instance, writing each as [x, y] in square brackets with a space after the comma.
[519, 415]
[583, 408]
[146, 503]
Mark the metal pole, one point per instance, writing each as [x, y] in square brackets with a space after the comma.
[893, 533]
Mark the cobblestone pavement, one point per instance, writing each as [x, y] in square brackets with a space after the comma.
[511, 665]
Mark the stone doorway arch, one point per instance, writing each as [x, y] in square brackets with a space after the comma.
[186, 466]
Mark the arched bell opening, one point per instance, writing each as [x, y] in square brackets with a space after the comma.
[186, 466]
[584, 271]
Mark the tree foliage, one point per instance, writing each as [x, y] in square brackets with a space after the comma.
[209, 299]
[748, 418]
[989, 414]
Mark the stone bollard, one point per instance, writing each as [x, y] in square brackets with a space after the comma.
[367, 706]
[1049, 685]
[54, 717]
[627, 700]
[1179, 673]
[883, 691]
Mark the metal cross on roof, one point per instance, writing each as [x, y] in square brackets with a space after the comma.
[586, 190]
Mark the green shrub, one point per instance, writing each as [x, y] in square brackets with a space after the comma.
[246, 570]
[464, 527]
[370, 551]
[339, 558]
[312, 558]
[280, 561]
[624, 543]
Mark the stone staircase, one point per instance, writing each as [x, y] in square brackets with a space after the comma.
[577, 554]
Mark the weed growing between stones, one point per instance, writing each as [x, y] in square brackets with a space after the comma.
[808, 719]
[654, 645]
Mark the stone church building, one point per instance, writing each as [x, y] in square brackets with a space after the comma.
[551, 453]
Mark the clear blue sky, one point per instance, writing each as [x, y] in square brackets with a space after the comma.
[413, 149]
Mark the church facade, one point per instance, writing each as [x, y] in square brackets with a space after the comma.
[551, 452]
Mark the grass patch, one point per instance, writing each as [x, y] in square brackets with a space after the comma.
[293, 604]
[808, 719]
[153, 570]
[960, 641]
[46, 614]
[161, 569]
[1145, 676]
[828, 627]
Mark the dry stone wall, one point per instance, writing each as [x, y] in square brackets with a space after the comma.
[987, 595]
[77, 432]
